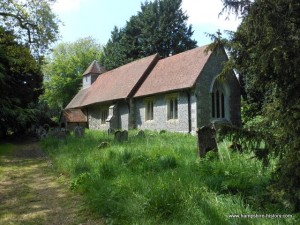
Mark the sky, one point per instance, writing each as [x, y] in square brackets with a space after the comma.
[97, 18]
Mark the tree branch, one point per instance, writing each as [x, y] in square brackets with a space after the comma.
[22, 22]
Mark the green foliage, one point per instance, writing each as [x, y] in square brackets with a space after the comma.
[63, 70]
[161, 180]
[27, 29]
[20, 84]
[32, 20]
[264, 51]
[160, 27]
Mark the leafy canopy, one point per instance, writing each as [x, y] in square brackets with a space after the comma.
[20, 84]
[32, 20]
[160, 27]
[265, 52]
[63, 70]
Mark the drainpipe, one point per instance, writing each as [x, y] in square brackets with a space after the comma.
[87, 118]
[189, 111]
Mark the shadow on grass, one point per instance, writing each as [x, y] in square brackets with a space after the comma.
[30, 192]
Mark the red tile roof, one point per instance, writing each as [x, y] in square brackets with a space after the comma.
[94, 68]
[115, 84]
[79, 99]
[74, 115]
[175, 72]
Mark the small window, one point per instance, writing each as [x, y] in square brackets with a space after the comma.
[104, 115]
[172, 108]
[149, 110]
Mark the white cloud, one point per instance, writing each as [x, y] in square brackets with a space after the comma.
[62, 6]
[202, 12]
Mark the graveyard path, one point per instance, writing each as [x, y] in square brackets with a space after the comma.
[32, 193]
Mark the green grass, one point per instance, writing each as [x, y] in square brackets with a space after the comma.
[5, 148]
[160, 180]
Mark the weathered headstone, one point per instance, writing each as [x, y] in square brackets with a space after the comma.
[124, 135]
[41, 132]
[121, 136]
[110, 130]
[141, 134]
[117, 136]
[206, 140]
[79, 131]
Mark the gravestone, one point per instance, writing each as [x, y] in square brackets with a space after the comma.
[79, 131]
[121, 136]
[110, 130]
[41, 132]
[141, 134]
[118, 136]
[124, 135]
[206, 140]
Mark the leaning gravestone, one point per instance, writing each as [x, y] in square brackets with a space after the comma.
[206, 140]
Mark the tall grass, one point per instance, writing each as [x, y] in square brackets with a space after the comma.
[160, 180]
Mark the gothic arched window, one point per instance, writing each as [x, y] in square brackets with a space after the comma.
[217, 104]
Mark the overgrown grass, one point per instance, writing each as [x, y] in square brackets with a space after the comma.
[160, 180]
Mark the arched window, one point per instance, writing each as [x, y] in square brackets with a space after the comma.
[172, 107]
[149, 109]
[217, 104]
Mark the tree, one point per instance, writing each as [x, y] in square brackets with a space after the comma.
[114, 53]
[160, 27]
[20, 84]
[27, 28]
[32, 20]
[265, 51]
[63, 70]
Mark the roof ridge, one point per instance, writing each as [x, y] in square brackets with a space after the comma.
[175, 72]
[137, 60]
[187, 51]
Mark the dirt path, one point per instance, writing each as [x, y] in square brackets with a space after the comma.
[31, 193]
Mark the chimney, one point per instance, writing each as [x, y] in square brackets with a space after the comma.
[91, 74]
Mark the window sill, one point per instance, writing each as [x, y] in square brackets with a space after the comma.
[219, 121]
[149, 121]
[172, 121]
